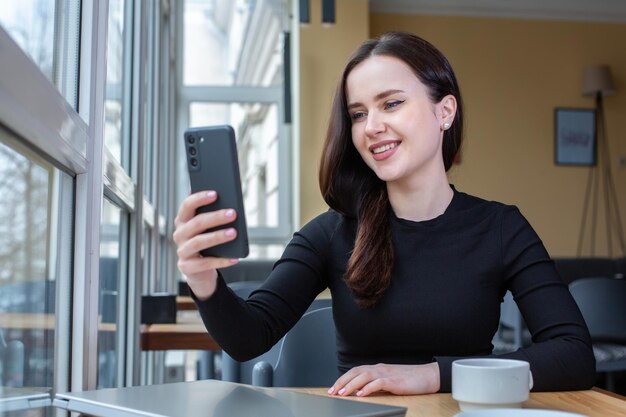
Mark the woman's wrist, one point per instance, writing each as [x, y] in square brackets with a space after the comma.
[203, 287]
[435, 378]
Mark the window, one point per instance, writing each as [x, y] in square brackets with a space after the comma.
[116, 95]
[102, 173]
[233, 74]
[35, 231]
[47, 30]
[113, 277]
[31, 24]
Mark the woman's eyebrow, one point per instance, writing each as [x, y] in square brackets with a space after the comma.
[377, 97]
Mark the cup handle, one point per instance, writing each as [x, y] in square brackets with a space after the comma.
[530, 380]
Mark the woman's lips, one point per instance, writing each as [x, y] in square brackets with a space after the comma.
[384, 150]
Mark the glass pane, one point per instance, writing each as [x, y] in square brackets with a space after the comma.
[256, 127]
[111, 242]
[31, 24]
[31, 227]
[222, 46]
[114, 100]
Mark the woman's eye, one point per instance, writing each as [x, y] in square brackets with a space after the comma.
[358, 115]
[392, 104]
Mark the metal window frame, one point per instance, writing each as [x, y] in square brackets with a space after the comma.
[37, 113]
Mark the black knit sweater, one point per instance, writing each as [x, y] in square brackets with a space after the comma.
[449, 277]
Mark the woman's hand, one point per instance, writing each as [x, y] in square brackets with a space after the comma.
[190, 237]
[396, 379]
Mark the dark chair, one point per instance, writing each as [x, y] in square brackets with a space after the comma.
[621, 268]
[308, 355]
[234, 371]
[602, 302]
[320, 303]
[512, 332]
[571, 269]
[248, 270]
[244, 288]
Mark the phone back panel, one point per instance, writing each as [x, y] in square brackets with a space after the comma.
[213, 165]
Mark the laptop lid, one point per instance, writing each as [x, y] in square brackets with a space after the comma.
[212, 398]
[16, 399]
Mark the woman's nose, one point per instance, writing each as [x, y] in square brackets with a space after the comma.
[374, 124]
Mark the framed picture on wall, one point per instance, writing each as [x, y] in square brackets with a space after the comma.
[574, 136]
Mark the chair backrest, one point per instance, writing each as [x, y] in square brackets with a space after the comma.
[234, 371]
[248, 270]
[572, 269]
[308, 353]
[320, 303]
[602, 302]
[241, 372]
[244, 288]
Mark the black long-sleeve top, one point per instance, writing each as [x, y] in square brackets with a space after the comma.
[449, 278]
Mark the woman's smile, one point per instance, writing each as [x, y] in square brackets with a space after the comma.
[384, 150]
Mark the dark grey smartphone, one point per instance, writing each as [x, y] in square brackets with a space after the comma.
[213, 165]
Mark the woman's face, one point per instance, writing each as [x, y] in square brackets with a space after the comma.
[396, 128]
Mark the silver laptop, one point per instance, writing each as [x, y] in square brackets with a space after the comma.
[15, 399]
[212, 398]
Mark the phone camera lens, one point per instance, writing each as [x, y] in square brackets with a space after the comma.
[192, 151]
[194, 162]
[191, 139]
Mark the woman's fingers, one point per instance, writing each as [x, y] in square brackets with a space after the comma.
[188, 207]
[191, 247]
[198, 225]
[352, 380]
[396, 379]
[191, 237]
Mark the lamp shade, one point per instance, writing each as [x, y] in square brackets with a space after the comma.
[597, 79]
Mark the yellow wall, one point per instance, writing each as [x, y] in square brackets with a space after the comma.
[324, 50]
[513, 73]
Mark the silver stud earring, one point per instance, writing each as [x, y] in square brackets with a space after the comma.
[446, 126]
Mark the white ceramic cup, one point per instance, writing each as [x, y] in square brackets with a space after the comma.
[490, 383]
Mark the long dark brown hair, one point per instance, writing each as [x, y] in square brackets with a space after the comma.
[351, 188]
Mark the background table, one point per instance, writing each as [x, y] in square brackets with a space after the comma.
[592, 403]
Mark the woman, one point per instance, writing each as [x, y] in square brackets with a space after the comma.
[417, 269]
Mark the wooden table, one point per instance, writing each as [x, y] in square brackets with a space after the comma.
[39, 321]
[185, 303]
[592, 403]
[186, 334]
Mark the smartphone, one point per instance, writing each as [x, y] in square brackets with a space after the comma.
[213, 165]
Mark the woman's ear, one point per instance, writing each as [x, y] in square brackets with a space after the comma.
[446, 110]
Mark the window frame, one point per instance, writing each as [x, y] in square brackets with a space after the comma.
[188, 94]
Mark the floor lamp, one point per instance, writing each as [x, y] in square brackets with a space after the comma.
[597, 82]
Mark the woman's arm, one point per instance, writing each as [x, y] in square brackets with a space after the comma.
[560, 357]
[247, 328]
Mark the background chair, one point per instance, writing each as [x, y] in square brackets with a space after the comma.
[248, 270]
[512, 332]
[602, 302]
[234, 371]
[571, 269]
[308, 355]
